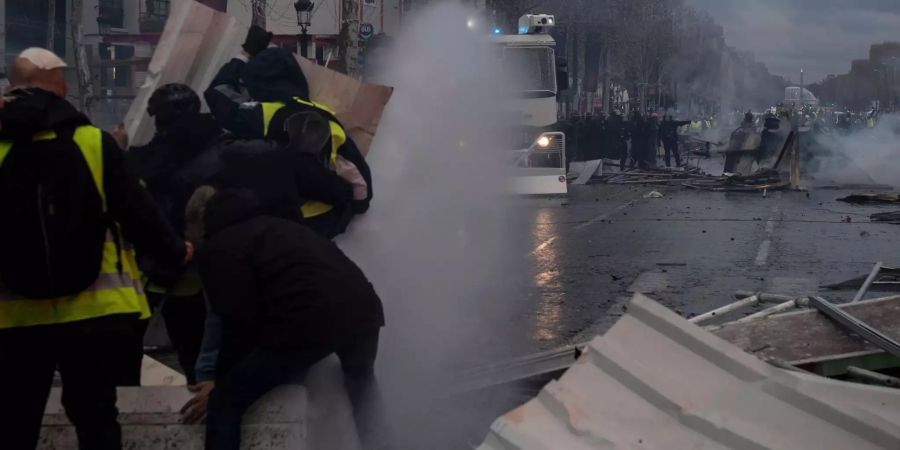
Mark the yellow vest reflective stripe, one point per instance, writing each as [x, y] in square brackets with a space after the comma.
[90, 140]
[268, 111]
[111, 293]
[5, 146]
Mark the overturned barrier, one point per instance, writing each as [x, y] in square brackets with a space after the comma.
[657, 381]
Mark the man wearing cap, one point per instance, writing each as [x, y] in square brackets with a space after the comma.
[70, 292]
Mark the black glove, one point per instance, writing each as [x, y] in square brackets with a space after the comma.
[257, 40]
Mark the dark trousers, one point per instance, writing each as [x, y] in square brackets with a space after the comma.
[90, 356]
[671, 146]
[184, 318]
[264, 369]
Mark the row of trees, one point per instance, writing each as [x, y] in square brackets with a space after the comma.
[664, 52]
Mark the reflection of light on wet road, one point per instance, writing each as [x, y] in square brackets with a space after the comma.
[547, 282]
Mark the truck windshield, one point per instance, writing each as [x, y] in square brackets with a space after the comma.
[532, 67]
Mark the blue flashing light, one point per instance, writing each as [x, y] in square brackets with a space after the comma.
[523, 30]
[497, 31]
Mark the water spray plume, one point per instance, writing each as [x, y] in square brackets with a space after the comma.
[437, 243]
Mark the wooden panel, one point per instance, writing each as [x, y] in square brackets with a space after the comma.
[808, 336]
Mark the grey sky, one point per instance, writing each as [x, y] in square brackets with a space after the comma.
[821, 36]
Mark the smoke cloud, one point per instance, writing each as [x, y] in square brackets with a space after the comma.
[864, 157]
[438, 243]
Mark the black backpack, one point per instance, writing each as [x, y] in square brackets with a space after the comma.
[54, 222]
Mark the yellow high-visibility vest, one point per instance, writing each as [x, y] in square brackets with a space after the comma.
[309, 209]
[113, 292]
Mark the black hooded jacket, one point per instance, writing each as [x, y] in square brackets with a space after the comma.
[167, 163]
[277, 284]
[195, 152]
[273, 76]
[28, 111]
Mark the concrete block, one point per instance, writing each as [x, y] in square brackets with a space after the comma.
[151, 420]
[155, 373]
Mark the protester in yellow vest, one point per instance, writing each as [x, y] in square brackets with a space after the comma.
[255, 94]
[70, 292]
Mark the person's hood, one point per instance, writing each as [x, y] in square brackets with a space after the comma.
[174, 147]
[231, 206]
[274, 75]
[188, 137]
[26, 111]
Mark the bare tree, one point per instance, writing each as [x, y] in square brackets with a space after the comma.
[659, 47]
[507, 12]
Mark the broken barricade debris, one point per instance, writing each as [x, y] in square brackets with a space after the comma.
[763, 180]
[889, 217]
[693, 380]
[872, 197]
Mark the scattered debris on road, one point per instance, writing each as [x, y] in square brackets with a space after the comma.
[653, 194]
[661, 176]
[887, 279]
[764, 180]
[889, 217]
[872, 197]
[655, 380]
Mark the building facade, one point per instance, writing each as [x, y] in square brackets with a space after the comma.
[120, 35]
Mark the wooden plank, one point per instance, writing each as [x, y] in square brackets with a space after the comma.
[808, 336]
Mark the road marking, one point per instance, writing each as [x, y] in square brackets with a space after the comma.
[544, 245]
[762, 255]
[649, 283]
[603, 217]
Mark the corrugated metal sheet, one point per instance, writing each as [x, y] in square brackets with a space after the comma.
[656, 381]
[195, 43]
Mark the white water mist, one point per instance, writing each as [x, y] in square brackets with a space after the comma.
[437, 242]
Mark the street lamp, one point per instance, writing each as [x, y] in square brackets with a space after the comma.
[304, 15]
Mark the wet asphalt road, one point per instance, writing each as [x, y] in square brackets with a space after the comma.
[690, 250]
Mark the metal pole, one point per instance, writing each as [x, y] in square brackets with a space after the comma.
[51, 25]
[3, 36]
[764, 297]
[751, 300]
[868, 283]
[788, 305]
[868, 375]
[82, 66]
[304, 44]
[855, 325]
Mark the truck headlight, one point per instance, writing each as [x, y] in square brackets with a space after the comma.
[543, 142]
